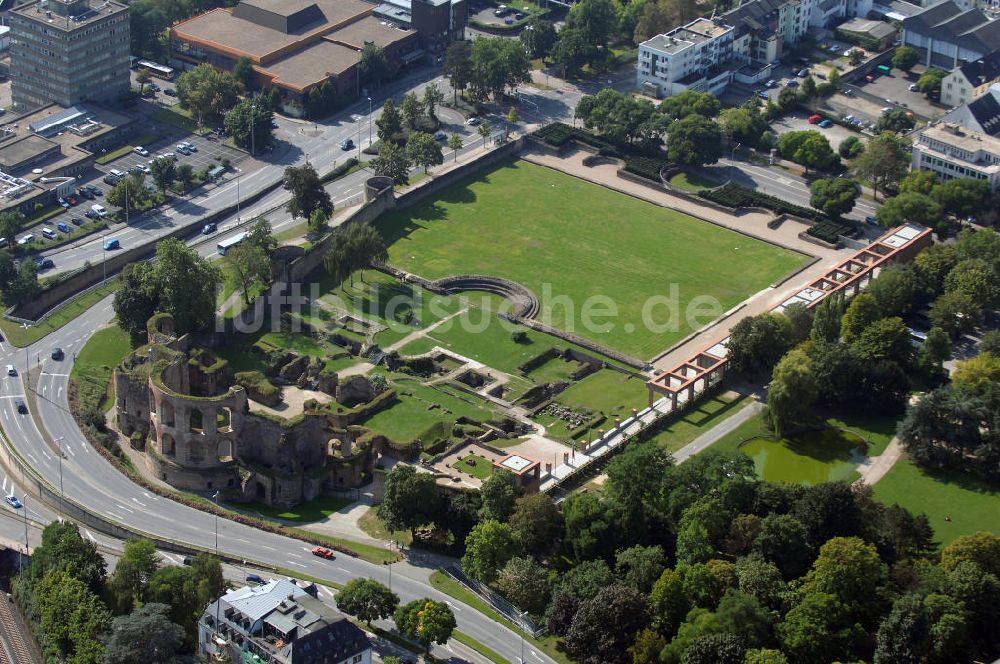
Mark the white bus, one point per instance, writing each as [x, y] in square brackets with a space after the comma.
[230, 242]
[156, 69]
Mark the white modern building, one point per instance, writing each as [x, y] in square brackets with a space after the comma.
[952, 151]
[741, 44]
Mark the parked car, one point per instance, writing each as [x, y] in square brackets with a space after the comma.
[48, 233]
[802, 73]
[90, 214]
[141, 151]
[72, 201]
[57, 353]
[825, 124]
[473, 121]
[63, 227]
[183, 150]
[99, 210]
[322, 552]
[869, 77]
[209, 228]
[763, 94]
[871, 220]
[254, 578]
[111, 244]
[440, 136]
[77, 221]
[154, 87]
[170, 92]
[43, 262]
[12, 499]
[11, 371]
[913, 87]
[347, 144]
[519, 15]
[26, 239]
[791, 83]
[63, 203]
[87, 193]
[815, 119]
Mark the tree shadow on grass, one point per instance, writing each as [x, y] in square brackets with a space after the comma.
[960, 479]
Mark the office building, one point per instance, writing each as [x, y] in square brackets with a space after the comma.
[952, 151]
[68, 51]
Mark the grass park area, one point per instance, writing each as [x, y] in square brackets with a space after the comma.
[703, 416]
[95, 364]
[691, 182]
[20, 336]
[316, 509]
[421, 409]
[176, 116]
[580, 241]
[955, 503]
[475, 465]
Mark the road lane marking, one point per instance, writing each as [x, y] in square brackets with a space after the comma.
[296, 564]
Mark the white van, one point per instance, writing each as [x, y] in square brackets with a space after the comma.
[99, 210]
[113, 176]
[49, 233]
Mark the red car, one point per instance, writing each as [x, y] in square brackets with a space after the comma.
[815, 119]
[323, 552]
[72, 201]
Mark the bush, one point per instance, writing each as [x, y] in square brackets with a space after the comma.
[734, 196]
[558, 134]
[340, 170]
[646, 167]
[519, 336]
[829, 231]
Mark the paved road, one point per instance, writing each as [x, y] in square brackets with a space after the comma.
[90, 480]
[777, 182]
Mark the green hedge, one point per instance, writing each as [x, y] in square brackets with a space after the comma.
[340, 170]
[647, 167]
[557, 134]
[829, 231]
[734, 196]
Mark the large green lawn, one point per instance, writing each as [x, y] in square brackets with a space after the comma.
[561, 236]
[608, 391]
[96, 363]
[422, 406]
[970, 503]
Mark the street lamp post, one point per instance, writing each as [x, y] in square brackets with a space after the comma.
[359, 138]
[24, 506]
[239, 172]
[58, 442]
[215, 499]
[369, 121]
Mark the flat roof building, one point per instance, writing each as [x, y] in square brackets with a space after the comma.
[68, 51]
[952, 151]
[293, 45]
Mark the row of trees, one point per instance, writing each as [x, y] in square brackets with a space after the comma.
[423, 620]
[488, 67]
[144, 612]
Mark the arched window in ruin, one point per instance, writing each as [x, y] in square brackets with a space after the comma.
[152, 402]
[195, 452]
[195, 420]
[224, 419]
[167, 413]
[225, 450]
[167, 445]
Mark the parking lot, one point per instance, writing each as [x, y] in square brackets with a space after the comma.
[799, 121]
[210, 153]
[894, 90]
[487, 15]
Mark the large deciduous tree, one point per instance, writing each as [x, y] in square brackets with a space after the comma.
[411, 499]
[426, 621]
[603, 627]
[208, 92]
[488, 548]
[694, 141]
[367, 599]
[884, 161]
[834, 196]
[146, 635]
[308, 194]
[250, 124]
